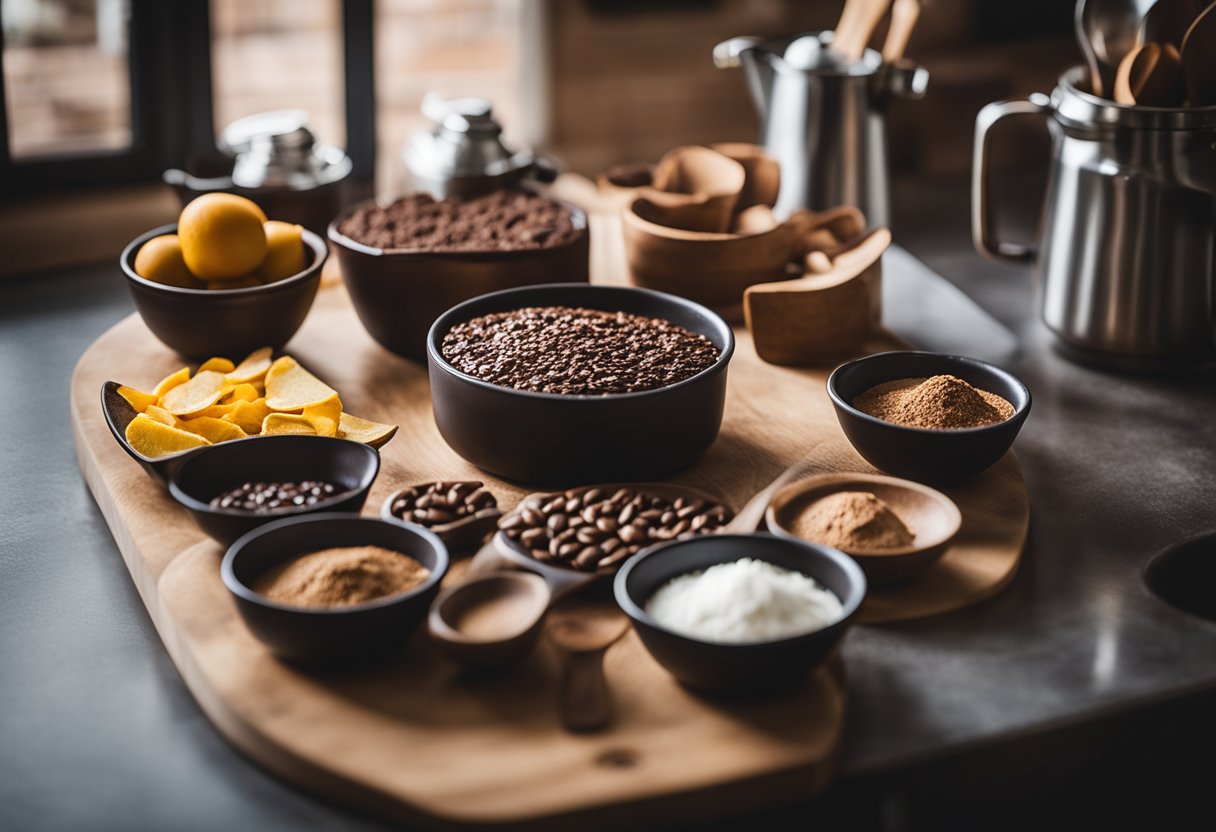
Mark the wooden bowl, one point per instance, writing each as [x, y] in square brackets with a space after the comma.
[930, 515]
[696, 189]
[762, 172]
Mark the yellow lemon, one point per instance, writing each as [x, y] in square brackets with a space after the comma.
[284, 251]
[160, 259]
[222, 236]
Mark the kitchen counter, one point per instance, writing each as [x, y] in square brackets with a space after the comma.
[1075, 691]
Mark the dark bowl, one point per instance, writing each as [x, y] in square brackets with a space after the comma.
[200, 323]
[216, 468]
[926, 454]
[398, 294]
[754, 667]
[568, 440]
[339, 635]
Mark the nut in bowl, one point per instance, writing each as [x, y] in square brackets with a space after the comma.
[224, 279]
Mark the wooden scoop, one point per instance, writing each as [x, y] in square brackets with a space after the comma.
[582, 626]
[696, 189]
[1150, 76]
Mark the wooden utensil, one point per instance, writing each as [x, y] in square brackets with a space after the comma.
[1168, 21]
[904, 14]
[1199, 59]
[856, 25]
[1107, 30]
[696, 189]
[1150, 76]
[582, 627]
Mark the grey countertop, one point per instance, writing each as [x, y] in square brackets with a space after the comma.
[1076, 691]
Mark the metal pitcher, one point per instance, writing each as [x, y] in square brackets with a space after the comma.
[824, 119]
[1129, 224]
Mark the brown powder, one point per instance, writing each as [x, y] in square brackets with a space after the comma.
[853, 521]
[937, 402]
[341, 577]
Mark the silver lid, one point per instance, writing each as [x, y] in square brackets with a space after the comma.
[278, 150]
[466, 142]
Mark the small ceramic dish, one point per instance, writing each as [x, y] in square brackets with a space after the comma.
[200, 323]
[549, 438]
[747, 668]
[337, 634]
[927, 455]
[930, 515]
[217, 468]
[119, 413]
[399, 293]
[465, 533]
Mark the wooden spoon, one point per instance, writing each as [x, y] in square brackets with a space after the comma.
[904, 14]
[1151, 76]
[1199, 59]
[582, 627]
[856, 25]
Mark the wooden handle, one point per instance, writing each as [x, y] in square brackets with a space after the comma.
[856, 25]
[584, 701]
[904, 14]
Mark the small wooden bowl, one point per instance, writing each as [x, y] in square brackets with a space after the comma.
[696, 189]
[930, 515]
[449, 612]
[763, 173]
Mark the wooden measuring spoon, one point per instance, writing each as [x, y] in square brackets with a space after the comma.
[1199, 59]
[1151, 76]
[582, 626]
[904, 14]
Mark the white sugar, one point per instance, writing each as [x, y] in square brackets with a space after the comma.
[745, 601]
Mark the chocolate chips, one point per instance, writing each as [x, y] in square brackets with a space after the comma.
[500, 221]
[576, 351]
[437, 503]
[264, 497]
[591, 529]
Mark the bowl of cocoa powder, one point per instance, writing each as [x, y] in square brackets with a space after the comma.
[927, 416]
[573, 384]
[407, 260]
[334, 588]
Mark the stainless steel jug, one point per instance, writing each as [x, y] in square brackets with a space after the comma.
[1129, 223]
[824, 120]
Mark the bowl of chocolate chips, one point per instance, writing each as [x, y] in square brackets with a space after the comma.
[573, 383]
[407, 260]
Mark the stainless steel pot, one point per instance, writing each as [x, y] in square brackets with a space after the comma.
[1129, 224]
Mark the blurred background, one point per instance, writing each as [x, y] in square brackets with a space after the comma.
[101, 96]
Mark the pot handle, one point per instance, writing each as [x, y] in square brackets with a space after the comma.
[983, 224]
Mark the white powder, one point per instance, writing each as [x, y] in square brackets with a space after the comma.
[747, 600]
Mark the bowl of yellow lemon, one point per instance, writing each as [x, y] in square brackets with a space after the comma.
[224, 279]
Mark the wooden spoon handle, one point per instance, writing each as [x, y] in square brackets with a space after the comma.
[904, 14]
[856, 25]
[584, 703]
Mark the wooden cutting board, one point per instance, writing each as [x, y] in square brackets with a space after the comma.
[416, 741]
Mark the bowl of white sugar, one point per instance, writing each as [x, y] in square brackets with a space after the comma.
[743, 612]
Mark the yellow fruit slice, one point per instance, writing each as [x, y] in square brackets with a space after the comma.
[221, 236]
[324, 416]
[253, 368]
[219, 365]
[290, 387]
[212, 429]
[290, 424]
[138, 399]
[154, 439]
[170, 381]
[248, 416]
[284, 251]
[364, 430]
[198, 393]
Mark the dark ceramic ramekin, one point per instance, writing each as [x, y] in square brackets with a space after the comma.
[398, 294]
[200, 323]
[332, 635]
[926, 454]
[213, 470]
[752, 667]
[553, 439]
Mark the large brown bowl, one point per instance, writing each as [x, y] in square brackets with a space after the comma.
[398, 293]
[200, 323]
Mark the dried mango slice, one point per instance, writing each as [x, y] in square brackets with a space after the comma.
[138, 399]
[280, 424]
[324, 416]
[198, 393]
[215, 411]
[290, 387]
[161, 415]
[253, 368]
[212, 429]
[170, 381]
[248, 416]
[364, 430]
[243, 392]
[219, 365]
[153, 439]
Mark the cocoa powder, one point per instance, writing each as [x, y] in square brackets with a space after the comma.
[937, 402]
[341, 577]
[853, 521]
